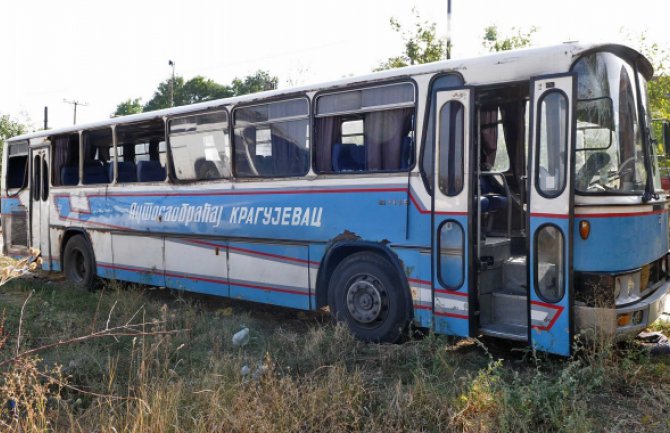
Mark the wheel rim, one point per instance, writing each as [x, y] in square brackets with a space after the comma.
[366, 299]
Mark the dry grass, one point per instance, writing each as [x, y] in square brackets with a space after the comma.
[304, 374]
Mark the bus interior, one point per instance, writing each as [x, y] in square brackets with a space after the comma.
[501, 202]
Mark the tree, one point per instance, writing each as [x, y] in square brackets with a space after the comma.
[199, 89]
[494, 42]
[659, 86]
[421, 46]
[129, 106]
[10, 128]
[258, 82]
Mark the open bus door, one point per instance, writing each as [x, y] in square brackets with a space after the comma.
[39, 203]
[451, 201]
[550, 214]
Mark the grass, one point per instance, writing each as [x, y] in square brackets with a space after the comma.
[305, 374]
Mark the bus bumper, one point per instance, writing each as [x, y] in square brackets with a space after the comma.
[605, 321]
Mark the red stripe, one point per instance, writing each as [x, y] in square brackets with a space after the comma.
[451, 292]
[549, 215]
[422, 307]
[624, 214]
[559, 309]
[242, 192]
[453, 315]
[204, 279]
[416, 280]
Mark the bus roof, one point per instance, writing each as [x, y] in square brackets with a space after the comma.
[505, 66]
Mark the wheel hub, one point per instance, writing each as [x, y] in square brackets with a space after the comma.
[364, 299]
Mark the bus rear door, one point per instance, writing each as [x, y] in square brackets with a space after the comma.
[550, 214]
[450, 228]
[39, 203]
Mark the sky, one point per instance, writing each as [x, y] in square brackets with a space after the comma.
[102, 53]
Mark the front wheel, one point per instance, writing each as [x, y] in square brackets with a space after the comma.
[366, 294]
[79, 263]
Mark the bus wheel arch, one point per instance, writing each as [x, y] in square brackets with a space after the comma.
[78, 258]
[365, 287]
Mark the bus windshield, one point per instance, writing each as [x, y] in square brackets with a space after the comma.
[609, 155]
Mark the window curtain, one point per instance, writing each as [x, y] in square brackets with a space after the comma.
[245, 151]
[514, 129]
[327, 132]
[289, 154]
[61, 157]
[384, 133]
[488, 116]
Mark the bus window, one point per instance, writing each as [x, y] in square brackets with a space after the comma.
[140, 152]
[17, 165]
[451, 141]
[272, 140]
[365, 130]
[200, 146]
[97, 156]
[553, 144]
[65, 160]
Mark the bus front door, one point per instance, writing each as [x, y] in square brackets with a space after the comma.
[550, 214]
[452, 310]
[39, 204]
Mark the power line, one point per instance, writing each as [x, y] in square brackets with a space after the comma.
[74, 102]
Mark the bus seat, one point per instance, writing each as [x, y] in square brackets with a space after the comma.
[95, 173]
[348, 157]
[148, 171]
[69, 175]
[406, 152]
[494, 193]
[484, 204]
[127, 171]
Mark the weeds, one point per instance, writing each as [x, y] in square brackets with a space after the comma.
[129, 360]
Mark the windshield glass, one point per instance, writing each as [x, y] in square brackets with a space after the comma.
[609, 153]
[653, 149]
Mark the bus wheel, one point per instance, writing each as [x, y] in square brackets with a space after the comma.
[366, 294]
[79, 263]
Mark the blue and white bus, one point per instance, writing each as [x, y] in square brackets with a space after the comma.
[514, 195]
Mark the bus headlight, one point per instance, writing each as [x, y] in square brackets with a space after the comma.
[628, 288]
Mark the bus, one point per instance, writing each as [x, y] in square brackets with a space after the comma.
[514, 195]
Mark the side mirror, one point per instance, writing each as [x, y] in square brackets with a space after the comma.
[666, 138]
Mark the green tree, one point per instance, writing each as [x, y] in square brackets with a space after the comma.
[200, 89]
[494, 41]
[659, 85]
[129, 106]
[420, 46]
[10, 128]
[257, 82]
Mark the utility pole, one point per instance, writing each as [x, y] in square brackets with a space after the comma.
[171, 63]
[75, 103]
[448, 29]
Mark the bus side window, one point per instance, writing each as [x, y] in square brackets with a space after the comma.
[272, 140]
[17, 168]
[65, 160]
[365, 130]
[141, 152]
[97, 156]
[200, 146]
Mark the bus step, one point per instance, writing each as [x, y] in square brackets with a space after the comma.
[514, 275]
[505, 330]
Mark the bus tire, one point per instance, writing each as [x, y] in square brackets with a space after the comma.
[366, 294]
[79, 263]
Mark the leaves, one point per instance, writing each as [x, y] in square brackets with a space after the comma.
[198, 89]
[494, 42]
[421, 46]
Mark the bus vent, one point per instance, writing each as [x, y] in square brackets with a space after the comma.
[19, 229]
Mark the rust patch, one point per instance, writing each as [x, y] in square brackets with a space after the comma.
[345, 236]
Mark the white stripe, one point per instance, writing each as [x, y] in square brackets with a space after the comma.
[451, 304]
[539, 316]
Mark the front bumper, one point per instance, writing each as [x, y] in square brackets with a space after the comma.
[603, 321]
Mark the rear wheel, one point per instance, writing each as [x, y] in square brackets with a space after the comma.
[79, 263]
[366, 294]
